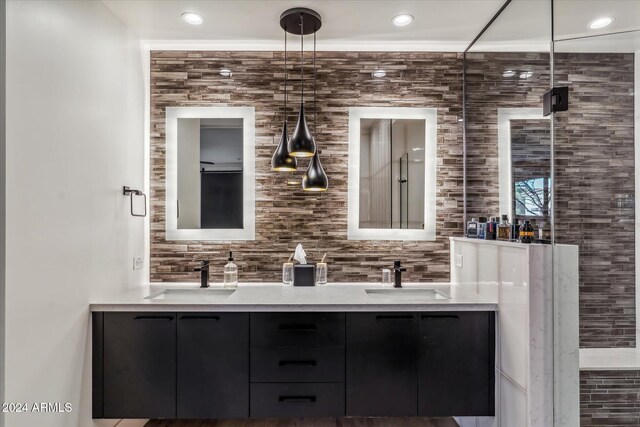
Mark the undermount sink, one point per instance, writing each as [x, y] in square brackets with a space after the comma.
[201, 294]
[406, 295]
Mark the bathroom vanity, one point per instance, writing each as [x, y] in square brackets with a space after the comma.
[268, 351]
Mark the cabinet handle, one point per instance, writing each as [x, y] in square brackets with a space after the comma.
[297, 399]
[216, 318]
[153, 318]
[297, 363]
[394, 317]
[439, 316]
[298, 327]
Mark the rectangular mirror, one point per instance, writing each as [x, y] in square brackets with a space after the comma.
[524, 166]
[210, 173]
[392, 160]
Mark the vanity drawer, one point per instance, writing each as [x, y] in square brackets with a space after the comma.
[297, 329]
[287, 400]
[297, 364]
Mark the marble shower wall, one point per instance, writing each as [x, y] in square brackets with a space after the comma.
[286, 216]
[594, 149]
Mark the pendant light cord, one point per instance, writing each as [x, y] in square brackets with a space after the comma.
[302, 59]
[285, 75]
[315, 109]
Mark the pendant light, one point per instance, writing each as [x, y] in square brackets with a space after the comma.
[315, 179]
[301, 143]
[282, 160]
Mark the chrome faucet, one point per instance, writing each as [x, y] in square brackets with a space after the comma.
[204, 274]
[398, 274]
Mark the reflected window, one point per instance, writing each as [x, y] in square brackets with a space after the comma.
[532, 197]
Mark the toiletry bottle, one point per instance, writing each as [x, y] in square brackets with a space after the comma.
[472, 229]
[490, 233]
[482, 227]
[526, 232]
[540, 226]
[504, 229]
[230, 273]
[515, 230]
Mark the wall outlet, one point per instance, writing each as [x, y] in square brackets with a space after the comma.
[137, 263]
[459, 260]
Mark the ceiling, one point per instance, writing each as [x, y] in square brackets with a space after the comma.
[347, 24]
[439, 25]
[526, 25]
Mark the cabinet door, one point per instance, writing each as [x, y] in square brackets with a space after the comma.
[139, 365]
[381, 364]
[456, 368]
[213, 365]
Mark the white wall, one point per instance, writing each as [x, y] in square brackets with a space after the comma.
[74, 138]
[2, 196]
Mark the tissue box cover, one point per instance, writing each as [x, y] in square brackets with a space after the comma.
[304, 275]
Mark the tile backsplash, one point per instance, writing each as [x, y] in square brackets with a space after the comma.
[286, 216]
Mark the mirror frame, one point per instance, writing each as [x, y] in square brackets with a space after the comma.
[430, 116]
[505, 178]
[248, 116]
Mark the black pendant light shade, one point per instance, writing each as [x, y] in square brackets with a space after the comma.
[301, 143]
[315, 179]
[302, 21]
[282, 160]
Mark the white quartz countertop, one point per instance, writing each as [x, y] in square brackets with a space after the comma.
[276, 297]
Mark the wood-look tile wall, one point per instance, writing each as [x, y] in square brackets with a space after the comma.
[595, 191]
[609, 398]
[594, 149]
[286, 216]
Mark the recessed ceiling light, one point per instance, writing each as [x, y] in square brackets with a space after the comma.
[225, 72]
[508, 73]
[379, 74]
[402, 20]
[526, 74]
[600, 22]
[193, 18]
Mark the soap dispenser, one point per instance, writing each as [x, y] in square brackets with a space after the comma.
[230, 273]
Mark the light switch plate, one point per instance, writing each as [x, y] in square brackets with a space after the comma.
[459, 260]
[137, 263]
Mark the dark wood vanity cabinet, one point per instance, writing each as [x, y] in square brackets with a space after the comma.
[425, 364]
[213, 365]
[170, 365]
[138, 365]
[297, 365]
[382, 362]
[293, 364]
[456, 369]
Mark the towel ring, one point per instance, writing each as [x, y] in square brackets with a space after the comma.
[129, 192]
